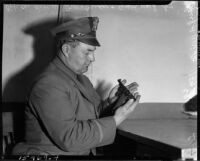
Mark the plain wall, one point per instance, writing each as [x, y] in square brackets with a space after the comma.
[153, 46]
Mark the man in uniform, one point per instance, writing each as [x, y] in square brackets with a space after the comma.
[63, 109]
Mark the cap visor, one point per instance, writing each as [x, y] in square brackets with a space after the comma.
[90, 41]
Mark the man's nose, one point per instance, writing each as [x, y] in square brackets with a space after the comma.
[91, 57]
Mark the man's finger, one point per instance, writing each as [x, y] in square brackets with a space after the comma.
[135, 94]
[133, 89]
[138, 98]
[134, 84]
[134, 103]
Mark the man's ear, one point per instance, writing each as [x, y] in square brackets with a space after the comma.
[65, 49]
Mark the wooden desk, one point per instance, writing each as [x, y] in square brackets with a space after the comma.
[168, 129]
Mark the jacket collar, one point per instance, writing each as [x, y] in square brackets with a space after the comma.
[60, 64]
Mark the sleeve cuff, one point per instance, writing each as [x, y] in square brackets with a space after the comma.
[107, 130]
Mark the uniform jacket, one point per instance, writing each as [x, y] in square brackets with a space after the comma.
[62, 115]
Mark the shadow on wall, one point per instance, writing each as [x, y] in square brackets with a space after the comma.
[44, 49]
[103, 88]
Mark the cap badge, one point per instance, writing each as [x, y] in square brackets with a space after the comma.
[95, 23]
[78, 34]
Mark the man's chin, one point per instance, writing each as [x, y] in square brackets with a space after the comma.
[84, 70]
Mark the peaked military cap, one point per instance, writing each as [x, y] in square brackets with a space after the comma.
[82, 29]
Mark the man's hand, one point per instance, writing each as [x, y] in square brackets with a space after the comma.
[124, 111]
[131, 87]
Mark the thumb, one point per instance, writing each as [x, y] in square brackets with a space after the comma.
[129, 103]
[123, 81]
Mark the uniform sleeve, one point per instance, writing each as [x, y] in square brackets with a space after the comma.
[57, 112]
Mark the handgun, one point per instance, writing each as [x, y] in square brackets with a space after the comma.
[123, 95]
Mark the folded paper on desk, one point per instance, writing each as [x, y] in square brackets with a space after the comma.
[190, 153]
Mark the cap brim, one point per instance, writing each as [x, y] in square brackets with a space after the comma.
[90, 41]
